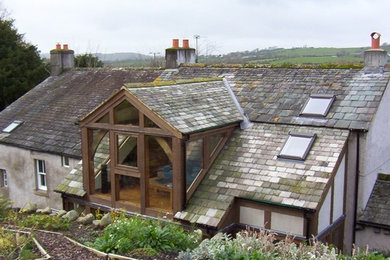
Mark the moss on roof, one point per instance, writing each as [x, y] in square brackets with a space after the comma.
[158, 82]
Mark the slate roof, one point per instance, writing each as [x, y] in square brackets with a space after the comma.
[191, 107]
[51, 110]
[73, 182]
[248, 167]
[278, 95]
[377, 210]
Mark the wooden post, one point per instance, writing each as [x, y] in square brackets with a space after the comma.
[141, 167]
[88, 173]
[113, 177]
[179, 180]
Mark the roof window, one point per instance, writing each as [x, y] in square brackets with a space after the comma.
[12, 126]
[318, 105]
[297, 146]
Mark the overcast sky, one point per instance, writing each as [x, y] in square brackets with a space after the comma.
[224, 26]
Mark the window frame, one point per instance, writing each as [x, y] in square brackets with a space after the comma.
[312, 137]
[12, 126]
[331, 98]
[40, 173]
[65, 161]
[4, 178]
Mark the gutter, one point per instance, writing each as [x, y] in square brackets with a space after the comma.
[356, 187]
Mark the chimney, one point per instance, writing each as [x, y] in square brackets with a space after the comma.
[61, 59]
[176, 55]
[375, 59]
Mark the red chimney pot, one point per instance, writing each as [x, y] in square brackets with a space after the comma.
[58, 47]
[186, 44]
[375, 40]
[175, 43]
[65, 46]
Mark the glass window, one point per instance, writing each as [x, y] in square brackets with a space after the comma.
[126, 114]
[297, 146]
[149, 123]
[127, 150]
[129, 189]
[100, 148]
[102, 180]
[318, 105]
[12, 126]
[41, 174]
[65, 161]
[104, 119]
[214, 142]
[4, 178]
[160, 172]
[194, 160]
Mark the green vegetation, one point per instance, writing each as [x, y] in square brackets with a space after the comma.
[37, 221]
[250, 245]
[15, 246]
[87, 60]
[21, 67]
[128, 234]
[296, 56]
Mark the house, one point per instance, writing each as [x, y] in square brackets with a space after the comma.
[293, 150]
[39, 135]
[373, 227]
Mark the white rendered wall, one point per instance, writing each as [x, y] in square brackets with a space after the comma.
[338, 196]
[251, 216]
[375, 151]
[287, 223]
[22, 182]
[376, 239]
[324, 215]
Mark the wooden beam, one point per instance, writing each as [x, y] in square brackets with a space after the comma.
[165, 146]
[179, 180]
[141, 168]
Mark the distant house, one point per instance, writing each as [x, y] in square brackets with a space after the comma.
[296, 151]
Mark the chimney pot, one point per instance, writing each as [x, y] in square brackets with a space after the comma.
[186, 43]
[175, 43]
[375, 40]
[58, 47]
[65, 46]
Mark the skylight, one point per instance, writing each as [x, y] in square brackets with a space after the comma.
[297, 146]
[12, 126]
[318, 105]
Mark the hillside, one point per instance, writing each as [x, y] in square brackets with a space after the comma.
[304, 55]
[269, 56]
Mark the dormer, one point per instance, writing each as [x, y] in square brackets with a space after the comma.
[147, 148]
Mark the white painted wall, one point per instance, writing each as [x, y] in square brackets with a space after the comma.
[287, 223]
[251, 216]
[20, 166]
[338, 197]
[324, 215]
[376, 239]
[375, 151]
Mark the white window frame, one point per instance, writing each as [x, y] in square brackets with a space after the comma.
[41, 173]
[4, 178]
[310, 136]
[12, 126]
[65, 161]
[329, 98]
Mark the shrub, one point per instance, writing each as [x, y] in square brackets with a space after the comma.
[5, 206]
[127, 234]
[250, 245]
[37, 221]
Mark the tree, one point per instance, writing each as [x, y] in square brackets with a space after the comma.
[21, 67]
[87, 60]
